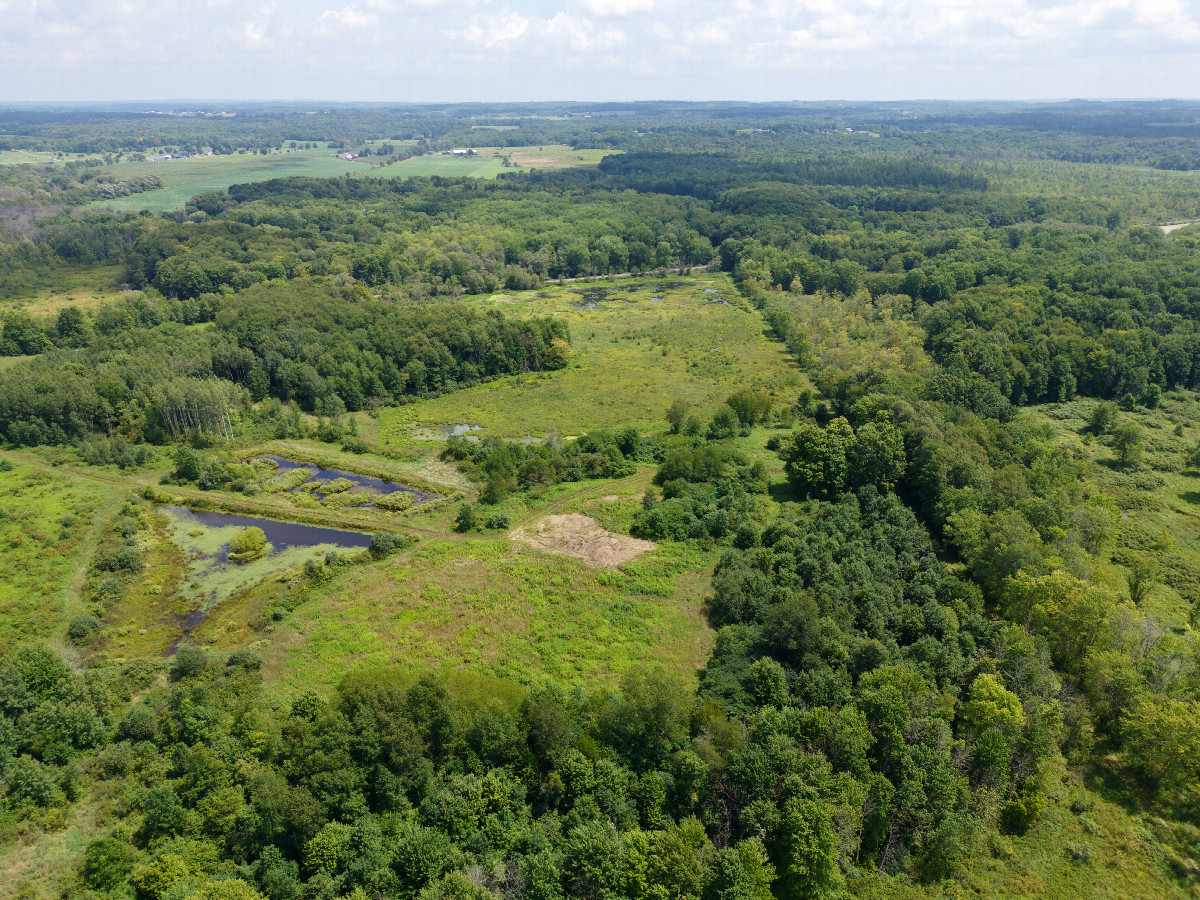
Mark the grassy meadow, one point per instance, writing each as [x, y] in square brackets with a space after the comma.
[49, 525]
[184, 178]
[632, 356]
[46, 293]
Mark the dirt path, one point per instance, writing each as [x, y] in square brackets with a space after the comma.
[73, 592]
[1175, 226]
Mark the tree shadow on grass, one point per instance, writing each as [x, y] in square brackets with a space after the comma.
[782, 492]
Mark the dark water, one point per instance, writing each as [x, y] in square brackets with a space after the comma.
[281, 535]
[379, 485]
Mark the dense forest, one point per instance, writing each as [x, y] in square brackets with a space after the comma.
[927, 616]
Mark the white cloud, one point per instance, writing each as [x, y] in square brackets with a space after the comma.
[618, 8]
[350, 16]
[501, 49]
[490, 31]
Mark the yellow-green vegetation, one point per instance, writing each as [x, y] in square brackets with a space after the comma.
[48, 293]
[1158, 496]
[185, 178]
[488, 606]
[211, 579]
[631, 356]
[248, 544]
[488, 162]
[48, 528]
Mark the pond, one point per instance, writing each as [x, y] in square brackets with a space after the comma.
[378, 485]
[280, 535]
[211, 578]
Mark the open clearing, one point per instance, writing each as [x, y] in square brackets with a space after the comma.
[488, 162]
[59, 289]
[184, 178]
[648, 342]
[46, 535]
[584, 538]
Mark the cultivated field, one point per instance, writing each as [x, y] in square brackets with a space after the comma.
[184, 178]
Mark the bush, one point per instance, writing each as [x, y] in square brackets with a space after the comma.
[82, 627]
[466, 520]
[244, 659]
[188, 464]
[384, 543]
[189, 662]
[118, 559]
[355, 445]
[723, 425]
[248, 544]
[107, 862]
[497, 521]
[1078, 851]
[32, 784]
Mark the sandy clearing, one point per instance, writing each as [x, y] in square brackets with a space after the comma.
[583, 538]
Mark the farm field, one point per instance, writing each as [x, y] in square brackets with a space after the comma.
[184, 178]
[488, 162]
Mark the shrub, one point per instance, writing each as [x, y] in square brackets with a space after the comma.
[355, 445]
[189, 662]
[1078, 851]
[397, 501]
[677, 416]
[244, 659]
[497, 521]
[384, 543]
[107, 862]
[723, 425]
[188, 464]
[466, 520]
[31, 783]
[118, 559]
[82, 627]
[248, 544]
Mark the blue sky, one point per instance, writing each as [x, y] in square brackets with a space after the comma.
[447, 50]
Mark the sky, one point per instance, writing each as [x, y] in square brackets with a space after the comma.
[591, 50]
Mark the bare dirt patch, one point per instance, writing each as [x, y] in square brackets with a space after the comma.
[583, 538]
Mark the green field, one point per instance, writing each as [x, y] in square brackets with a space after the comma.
[26, 157]
[45, 292]
[49, 525]
[184, 178]
[632, 357]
